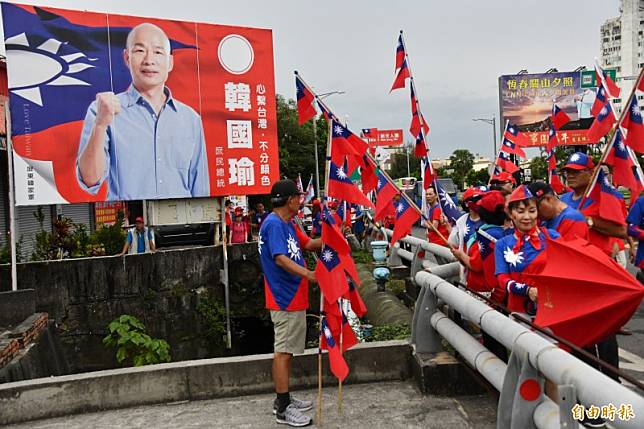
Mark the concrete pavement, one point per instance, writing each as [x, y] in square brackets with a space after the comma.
[374, 405]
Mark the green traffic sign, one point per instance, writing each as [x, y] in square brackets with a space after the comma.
[589, 79]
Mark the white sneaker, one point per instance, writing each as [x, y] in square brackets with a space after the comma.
[300, 404]
[292, 417]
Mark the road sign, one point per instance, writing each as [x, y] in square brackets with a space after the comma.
[589, 79]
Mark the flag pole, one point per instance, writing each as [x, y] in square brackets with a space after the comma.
[507, 123]
[340, 304]
[610, 140]
[12, 203]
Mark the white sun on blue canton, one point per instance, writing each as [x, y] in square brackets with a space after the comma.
[327, 255]
[635, 110]
[341, 174]
[574, 157]
[481, 247]
[400, 208]
[512, 258]
[621, 145]
[337, 130]
[293, 249]
[604, 111]
[466, 229]
[379, 184]
[260, 243]
[511, 130]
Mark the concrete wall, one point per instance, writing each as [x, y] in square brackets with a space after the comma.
[162, 289]
[201, 379]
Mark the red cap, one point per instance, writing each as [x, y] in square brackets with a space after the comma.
[316, 202]
[491, 200]
[139, 219]
[504, 177]
[332, 205]
[521, 193]
[239, 210]
[474, 191]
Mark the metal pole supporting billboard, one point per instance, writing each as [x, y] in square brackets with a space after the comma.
[12, 203]
[224, 271]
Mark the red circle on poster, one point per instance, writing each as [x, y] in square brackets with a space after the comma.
[530, 390]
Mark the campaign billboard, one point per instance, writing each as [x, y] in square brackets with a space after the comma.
[377, 137]
[526, 101]
[113, 108]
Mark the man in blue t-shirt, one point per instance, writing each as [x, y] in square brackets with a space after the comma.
[286, 284]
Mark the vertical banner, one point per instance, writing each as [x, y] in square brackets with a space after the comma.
[114, 108]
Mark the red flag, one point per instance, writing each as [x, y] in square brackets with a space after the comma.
[346, 144]
[510, 147]
[555, 182]
[406, 216]
[350, 267]
[331, 233]
[602, 124]
[625, 169]
[610, 294]
[401, 77]
[329, 273]
[505, 163]
[339, 325]
[341, 187]
[368, 173]
[338, 365]
[634, 126]
[305, 98]
[416, 116]
[559, 118]
[610, 201]
[357, 304]
[420, 150]
[604, 79]
[600, 101]
[400, 53]
[513, 134]
[428, 173]
[385, 192]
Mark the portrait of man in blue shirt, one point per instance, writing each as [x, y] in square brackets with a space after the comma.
[143, 142]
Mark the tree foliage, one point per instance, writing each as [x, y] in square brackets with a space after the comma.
[477, 178]
[461, 161]
[538, 168]
[399, 165]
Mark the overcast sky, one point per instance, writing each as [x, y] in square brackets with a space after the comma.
[458, 49]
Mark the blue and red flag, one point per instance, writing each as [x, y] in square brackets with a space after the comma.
[420, 149]
[305, 98]
[345, 144]
[331, 233]
[329, 272]
[505, 163]
[449, 208]
[400, 52]
[626, 170]
[559, 118]
[634, 127]
[339, 366]
[416, 117]
[406, 216]
[609, 200]
[368, 175]
[341, 186]
[385, 192]
[513, 134]
[509, 147]
[602, 124]
[357, 304]
[604, 79]
[401, 77]
[600, 101]
[553, 175]
[339, 326]
[428, 172]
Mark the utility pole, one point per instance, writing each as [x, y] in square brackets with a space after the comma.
[493, 123]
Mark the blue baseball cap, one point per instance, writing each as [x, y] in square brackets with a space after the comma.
[579, 161]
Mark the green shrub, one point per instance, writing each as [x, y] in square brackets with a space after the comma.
[213, 316]
[133, 345]
[389, 332]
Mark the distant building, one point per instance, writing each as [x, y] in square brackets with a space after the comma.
[621, 46]
[481, 163]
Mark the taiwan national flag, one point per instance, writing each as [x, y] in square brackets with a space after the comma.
[559, 118]
[310, 191]
[450, 209]
[368, 174]
[385, 192]
[610, 201]
[553, 177]
[305, 98]
[509, 147]
[339, 325]
[600, 101]
[331, 233]
[513, 134]
[338, 365]
[420, 149]
[416, 116]
[428, 172]
[341, 187]
[505, 163]
[406, 216]
[345, 144]
[357, 304]
[553, 141]
[602, 124]
[602, 77]
[401, 77]
[330, 275]
[400, 52]
[634, 127]
[626, 170]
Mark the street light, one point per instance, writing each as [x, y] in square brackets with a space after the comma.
[493, 123]
[315, 142]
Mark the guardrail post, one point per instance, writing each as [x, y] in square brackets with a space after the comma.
[417, 262]
[423, 333]
[394, 259]
[567, 400]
